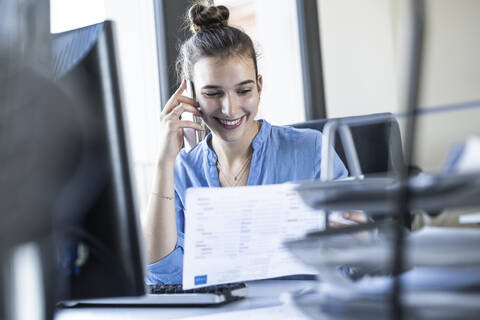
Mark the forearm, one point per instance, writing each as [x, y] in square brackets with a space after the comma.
[159, 225]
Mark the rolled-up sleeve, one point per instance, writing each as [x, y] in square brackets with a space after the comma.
[169, 269]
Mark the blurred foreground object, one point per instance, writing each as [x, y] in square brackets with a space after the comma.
[42, 137]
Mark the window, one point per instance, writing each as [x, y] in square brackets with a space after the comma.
[73, 14]
[137, 54]
[274, 31]
[272, 25]
[138, 63]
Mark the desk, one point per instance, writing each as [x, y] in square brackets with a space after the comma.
[262, 293]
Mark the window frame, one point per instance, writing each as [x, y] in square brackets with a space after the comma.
[311, 59]
[169, 35]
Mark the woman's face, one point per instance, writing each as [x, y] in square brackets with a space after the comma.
[228, 93]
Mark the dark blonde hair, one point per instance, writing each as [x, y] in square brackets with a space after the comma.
[212, 37]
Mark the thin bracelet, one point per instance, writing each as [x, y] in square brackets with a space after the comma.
[162, 196]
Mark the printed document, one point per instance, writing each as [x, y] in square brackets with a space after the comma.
[237, 234]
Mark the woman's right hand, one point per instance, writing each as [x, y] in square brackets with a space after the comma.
[171, 127]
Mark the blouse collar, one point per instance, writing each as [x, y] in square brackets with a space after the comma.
[257, 142]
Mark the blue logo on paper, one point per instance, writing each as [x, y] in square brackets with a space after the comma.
[201, 279]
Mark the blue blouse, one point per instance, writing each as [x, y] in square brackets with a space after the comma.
[280, 154]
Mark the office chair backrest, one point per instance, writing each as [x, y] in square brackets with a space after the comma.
[377, 140]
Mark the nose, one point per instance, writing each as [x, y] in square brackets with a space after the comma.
[229, 105]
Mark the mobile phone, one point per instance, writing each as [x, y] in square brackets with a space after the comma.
[192, 137]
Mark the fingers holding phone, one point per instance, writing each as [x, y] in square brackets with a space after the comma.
[192, 136]
[178, 101]
[172, 123]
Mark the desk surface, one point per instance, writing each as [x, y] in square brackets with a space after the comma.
[261, 294]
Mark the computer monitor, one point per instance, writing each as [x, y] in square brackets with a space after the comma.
[98, 229]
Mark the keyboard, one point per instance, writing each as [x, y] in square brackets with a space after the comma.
[173, 295]
[207, 295]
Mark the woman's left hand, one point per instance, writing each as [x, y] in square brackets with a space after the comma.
[352, 218]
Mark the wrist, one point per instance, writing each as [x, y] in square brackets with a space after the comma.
[163, 196]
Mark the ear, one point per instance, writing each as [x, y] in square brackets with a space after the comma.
[259, 84]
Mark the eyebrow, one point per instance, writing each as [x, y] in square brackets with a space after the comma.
[237, 85]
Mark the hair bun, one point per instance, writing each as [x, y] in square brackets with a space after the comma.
[203, 18]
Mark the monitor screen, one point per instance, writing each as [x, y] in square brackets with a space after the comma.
[98, 240]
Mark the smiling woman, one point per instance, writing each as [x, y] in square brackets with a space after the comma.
[220, 61]
[229, 93]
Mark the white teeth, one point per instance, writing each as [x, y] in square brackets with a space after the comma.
[230, 123]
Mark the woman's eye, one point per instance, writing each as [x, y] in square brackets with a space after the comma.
[212, 94]
[244, 91]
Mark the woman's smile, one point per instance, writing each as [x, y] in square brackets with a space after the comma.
[230, 124]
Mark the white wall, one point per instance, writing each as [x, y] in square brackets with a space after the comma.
[451, 74]
[358, 57]
[362, 55]
[282, 100]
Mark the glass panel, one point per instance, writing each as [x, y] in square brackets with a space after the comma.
[137, 53]
[279, 62]
[73, 14]
[138, 63]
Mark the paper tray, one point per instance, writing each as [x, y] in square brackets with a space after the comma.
[377, 195]
[430, 246]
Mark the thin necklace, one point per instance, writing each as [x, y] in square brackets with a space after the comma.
[240, 171]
